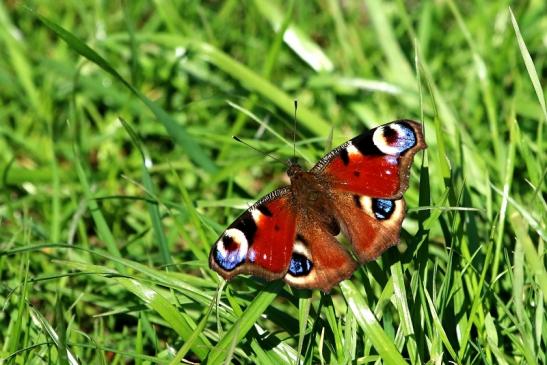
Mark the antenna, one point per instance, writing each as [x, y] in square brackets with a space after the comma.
[258, 150]
[294, 130]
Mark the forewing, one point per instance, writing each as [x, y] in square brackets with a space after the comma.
[375, 163]
[260, 241]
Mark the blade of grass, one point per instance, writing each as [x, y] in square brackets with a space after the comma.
[507, 183]
[401, 302]
[50, 332]
[100, 222]
[175, 130]
[153, 208]
[530, 67]
[14, 341]
[251, 80]
[189, 343]
[304, 305]
[241, 327]
[19, 62]
[297, 40]
[169, 313]
[271, 59]
[519, 297]
[397, 61]
[366, 319]
[533, 257]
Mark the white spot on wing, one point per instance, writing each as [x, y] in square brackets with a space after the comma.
[300, 248]
[366, 204]
[257, 215]
[352, 150]
[252, 255]
[380, 142]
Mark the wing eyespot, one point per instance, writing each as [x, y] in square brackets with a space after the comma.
[395, 138]
[382, 208]
[300, 265]
[230, 251]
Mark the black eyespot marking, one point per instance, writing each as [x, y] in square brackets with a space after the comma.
[301, 239]
[246, 224]
[383, 208]
[300, 265]
[365, 145]
[344, 156]
[264, 210]
[357, 201]
[230, 255]
[229, 243]
[356, 173]
[390, 135]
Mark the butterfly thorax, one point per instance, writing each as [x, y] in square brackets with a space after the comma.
[309, 191]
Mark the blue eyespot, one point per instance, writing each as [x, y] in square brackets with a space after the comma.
[383, 208]
[228, 252]
[403, 137]
[300, 265]
[228, 262]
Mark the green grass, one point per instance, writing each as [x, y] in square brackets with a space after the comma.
[118, 172]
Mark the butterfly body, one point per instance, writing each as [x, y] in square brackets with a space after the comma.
[356, 189]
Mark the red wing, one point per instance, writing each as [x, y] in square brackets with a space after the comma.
[375, 163]
[260, 241]
[318, 260]
[372, 225]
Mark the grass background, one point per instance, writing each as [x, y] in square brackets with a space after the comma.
[118, 172]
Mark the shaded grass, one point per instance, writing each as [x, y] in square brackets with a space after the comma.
[113, 191]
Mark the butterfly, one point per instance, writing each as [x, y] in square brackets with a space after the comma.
[356, 189]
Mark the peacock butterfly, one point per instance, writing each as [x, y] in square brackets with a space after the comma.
[356, 189]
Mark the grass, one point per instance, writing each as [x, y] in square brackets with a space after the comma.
[119, 172]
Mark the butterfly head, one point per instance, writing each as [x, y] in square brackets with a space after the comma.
[294, 168]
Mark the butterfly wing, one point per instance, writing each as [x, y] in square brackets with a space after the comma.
[367, 176]
[372, 225]
[375, 163]
[260, 241]
[318, 260]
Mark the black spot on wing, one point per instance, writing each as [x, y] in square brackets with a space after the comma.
[246, 224]
[365, 145]
[300, 265]
[357, 201]
[344, 156]
[299, 238]
[383, 208]
[390, 134]
[264, 210]
[229, 243]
